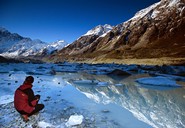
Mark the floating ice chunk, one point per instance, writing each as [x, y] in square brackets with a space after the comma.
[103, 83]
[6, 99]
[43, 124]
[157, 81]
[118, 84]
[172, 77]
[74, 120]
[85, 81]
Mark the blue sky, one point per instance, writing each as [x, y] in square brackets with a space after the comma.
[51, 20]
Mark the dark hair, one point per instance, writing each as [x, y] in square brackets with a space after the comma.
[29, 79]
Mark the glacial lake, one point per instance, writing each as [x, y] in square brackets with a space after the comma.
[105, 101]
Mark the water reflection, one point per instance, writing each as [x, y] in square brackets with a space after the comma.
[158, 108]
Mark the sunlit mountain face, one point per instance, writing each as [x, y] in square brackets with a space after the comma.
[156, 32]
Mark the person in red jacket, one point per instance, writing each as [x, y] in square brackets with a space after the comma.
[25, 102]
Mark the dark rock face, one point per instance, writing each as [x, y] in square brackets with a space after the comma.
[80, 44]
[5, 60]
[119, 72]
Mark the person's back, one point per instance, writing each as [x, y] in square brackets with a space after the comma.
[25, 102]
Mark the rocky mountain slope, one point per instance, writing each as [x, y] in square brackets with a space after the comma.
[155, 35]
[5, 60]
[79, 46]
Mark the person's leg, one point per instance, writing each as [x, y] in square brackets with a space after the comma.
[24, 115]
[38, 107]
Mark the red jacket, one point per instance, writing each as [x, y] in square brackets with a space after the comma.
[24, 99]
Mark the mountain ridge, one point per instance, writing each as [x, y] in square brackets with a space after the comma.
[154, 32]
[12, 45]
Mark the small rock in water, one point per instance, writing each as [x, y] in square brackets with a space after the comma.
[105, 111]
[48, 98]
[119, 72]
[52, 72]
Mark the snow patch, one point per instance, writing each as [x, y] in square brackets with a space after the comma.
[155, 13]
[173, 2]
[43, 124]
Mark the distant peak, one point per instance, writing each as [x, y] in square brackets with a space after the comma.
[60, 41]
[107, 26]
[99, 30]
[2, 29]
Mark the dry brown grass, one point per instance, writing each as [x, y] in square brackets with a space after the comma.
[151, 61]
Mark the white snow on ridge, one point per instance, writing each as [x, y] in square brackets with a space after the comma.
[99, 30]
[13, 45]
[54, 46]
[173, 3]
[145, 11]
[28, 47]
[24, 47]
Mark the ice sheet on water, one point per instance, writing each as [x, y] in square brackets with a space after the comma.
[157, 81]
[85, 81]
[6, 99]
[62, 101]
[172, 77]
[103, 84]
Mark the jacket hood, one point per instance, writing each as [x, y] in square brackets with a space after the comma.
[25, 86]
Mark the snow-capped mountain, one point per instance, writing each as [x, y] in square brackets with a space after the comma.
[156, 32]
[24, 47]
[99, 30]
[52, 47]
[13, 45]
[85, 40]
[8, 39]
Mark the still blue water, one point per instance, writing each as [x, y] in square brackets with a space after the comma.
[115, 101]
[127, 103]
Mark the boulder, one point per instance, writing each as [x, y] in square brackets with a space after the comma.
[119, 72]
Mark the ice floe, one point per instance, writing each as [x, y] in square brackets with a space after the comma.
[158, 81]
[85, 82]
[103, 84]
[6, 99]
